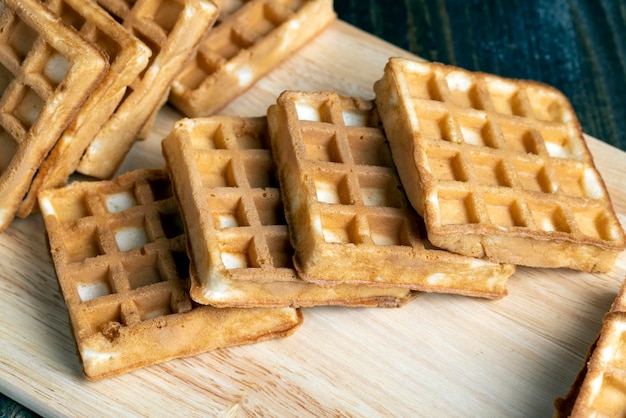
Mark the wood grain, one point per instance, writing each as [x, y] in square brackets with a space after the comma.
[439, 355]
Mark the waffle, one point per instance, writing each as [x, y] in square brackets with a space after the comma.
[224, 176]
[497, 167]
[127, 58]
[173, 30]
[119, 251]
[600, 388]
[349, 218]
[46, 73]
[251, 38]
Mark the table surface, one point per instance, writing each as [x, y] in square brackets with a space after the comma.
[575, 45]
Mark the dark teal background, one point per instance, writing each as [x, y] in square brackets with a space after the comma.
[578, 46]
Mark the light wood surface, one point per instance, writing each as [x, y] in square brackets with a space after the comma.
[440, 355]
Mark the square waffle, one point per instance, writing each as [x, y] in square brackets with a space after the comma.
[127, 55]
[47, 71]
[600, 388]
[250, 39]
[224, 176]
[497, 167]
[348, 215]
[119, 251]
[172, 29]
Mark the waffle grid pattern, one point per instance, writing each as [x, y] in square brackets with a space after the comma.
[224, 173]
[242, 195]
[172, 29]
[124, 252]
[245, 28]
[337, 140]
[127, 57]
[120, 254]
[249, 39]
[504, 155]
[150, 21]
[343, 193]
[25, 52]
[37, 55]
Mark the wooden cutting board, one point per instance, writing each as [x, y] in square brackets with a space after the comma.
[440, 355]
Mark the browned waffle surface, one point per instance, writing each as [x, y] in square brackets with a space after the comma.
[600, 388]
[127, 55]
[250, 39]
[119, 251]
[172, 29]
[347, 212]
[498, 168]
[224, 176]
[46, 72]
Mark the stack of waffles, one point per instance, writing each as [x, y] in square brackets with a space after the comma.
[347, 207]
[444, 183]
[83, 80]
[47, 71]
[315, 203]
[226, 182]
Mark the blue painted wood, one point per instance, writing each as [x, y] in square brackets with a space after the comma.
[11, 409]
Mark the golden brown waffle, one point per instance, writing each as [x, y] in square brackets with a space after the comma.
[120, 254]
[127, 58]
[251, 38]
[173, 30]
[46, 73]
[224, 176]
[498, 168]
[348, 215]
[600, 388]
